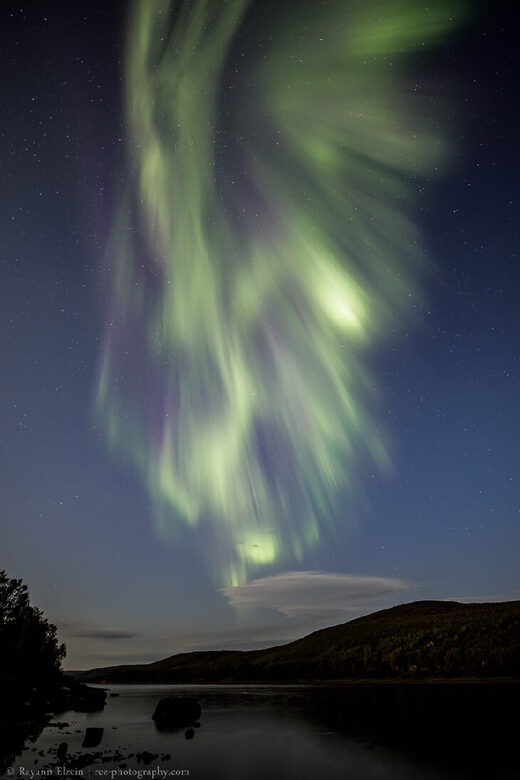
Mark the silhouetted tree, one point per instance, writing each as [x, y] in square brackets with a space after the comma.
[29, 648]
[30, 675]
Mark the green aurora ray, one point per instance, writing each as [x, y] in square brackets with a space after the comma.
[263, 247]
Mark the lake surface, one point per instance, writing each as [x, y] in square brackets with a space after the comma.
[248, 732]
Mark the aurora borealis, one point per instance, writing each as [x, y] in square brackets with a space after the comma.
[233, 367]
[259, 316]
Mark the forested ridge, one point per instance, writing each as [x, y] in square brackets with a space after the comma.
[421, 640]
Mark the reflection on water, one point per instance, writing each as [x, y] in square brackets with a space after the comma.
[355, 732]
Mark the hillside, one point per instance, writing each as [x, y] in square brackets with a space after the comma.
[424, 639]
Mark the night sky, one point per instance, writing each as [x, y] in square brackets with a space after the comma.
[107, 556]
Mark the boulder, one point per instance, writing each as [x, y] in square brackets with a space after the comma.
[87, 699]
[93, 737]
[176, 712]
[62, 751]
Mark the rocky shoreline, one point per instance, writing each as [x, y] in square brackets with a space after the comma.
[26, 710]
[25, 716]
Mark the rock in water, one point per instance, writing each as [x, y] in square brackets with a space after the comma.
[146, 757]
[93, 737]
[87, 699]
[176, 712]
[62, 751]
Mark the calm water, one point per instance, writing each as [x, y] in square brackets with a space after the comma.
[278, 732]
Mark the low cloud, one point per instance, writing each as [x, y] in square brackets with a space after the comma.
[77, 630]
[307, 593]
[105, 633]
[515, 596]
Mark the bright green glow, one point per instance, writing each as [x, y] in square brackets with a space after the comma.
[232, 369]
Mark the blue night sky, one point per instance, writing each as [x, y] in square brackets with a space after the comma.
[78, 521]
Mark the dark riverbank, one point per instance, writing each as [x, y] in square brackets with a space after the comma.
[26, 709]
